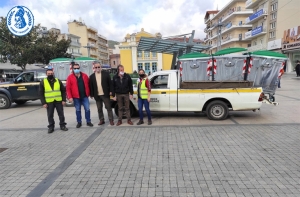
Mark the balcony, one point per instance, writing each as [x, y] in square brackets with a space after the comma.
[76, 54]
[76, 44]
[93, 29]
[250, 4]
[206, 20]
[256, 16]
[229, 39]
[257, 47]
[233, 12]
[234, 25]
[93, 52]
[93, 37]
[258, 31]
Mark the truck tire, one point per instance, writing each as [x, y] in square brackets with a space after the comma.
[5, 103]
[131, 108]
[20, 102]
[217, 110]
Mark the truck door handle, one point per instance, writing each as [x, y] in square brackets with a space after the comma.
[163, 93]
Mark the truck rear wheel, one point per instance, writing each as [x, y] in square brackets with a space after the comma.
[5, 103]
[217, 110]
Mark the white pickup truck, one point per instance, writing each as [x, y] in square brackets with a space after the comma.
[169, 94]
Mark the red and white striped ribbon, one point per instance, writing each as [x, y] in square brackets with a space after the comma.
[180, 68]
[281, 71]
[250, 66]
[209, 66]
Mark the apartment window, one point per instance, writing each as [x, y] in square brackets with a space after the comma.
[114, 62]
[261, 41]
[273, 25]
[140, 66]
[154, 66]
[272, 34]
[153, 54]
[139, 54]
[146, 54]
[274, 7]
[273, 15]
[147, 67]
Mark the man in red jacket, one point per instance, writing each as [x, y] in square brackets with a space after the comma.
[78, 91]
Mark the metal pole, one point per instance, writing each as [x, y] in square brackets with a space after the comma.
[212, 69]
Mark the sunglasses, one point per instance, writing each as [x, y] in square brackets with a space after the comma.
[97, 67]
[76, 68]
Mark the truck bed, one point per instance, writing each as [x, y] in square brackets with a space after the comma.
[215, 84]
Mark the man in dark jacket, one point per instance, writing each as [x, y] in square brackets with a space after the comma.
[122, 89]
[100, 89]
[53, 95]
[298, 68]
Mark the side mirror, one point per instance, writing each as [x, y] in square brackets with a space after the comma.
[15, 80]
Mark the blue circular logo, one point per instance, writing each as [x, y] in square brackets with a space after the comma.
[20, 20]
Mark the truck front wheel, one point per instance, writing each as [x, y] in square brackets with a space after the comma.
[217, 110]
[5, 103]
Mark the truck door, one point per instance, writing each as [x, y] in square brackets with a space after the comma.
[160, 93]
[25, 87]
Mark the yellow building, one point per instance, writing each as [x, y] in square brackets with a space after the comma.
[90, 39]
[230, 22]
[133, 60]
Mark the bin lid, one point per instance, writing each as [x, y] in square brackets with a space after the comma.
[229, 51]
[193, 55]
[268, 54]
[60, 60]
[84, 59]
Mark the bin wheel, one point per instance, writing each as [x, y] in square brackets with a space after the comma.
[272, 98]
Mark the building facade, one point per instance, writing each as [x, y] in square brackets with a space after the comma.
[92, 44]
[114, 60]
[133, 60]
[75, 45]
[227, 28]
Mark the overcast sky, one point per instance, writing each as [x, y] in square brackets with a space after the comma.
[115, 18]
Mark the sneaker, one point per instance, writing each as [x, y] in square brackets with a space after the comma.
[119, 123]
[129, 122]
[50, 130]
[78, 125]
[89, 124]
[149, 122]
[140, 122]
[64, 128]
[101, 122]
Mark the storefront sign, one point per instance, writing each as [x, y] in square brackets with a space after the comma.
[275, 44]
[256, 15]
[257, 30]
[291, 38]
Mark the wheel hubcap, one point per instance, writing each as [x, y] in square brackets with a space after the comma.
[217, 111]
[2, 102]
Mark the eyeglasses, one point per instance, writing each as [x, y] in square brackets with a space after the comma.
[97, 67]
[76, 68]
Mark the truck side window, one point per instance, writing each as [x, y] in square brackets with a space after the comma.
[159, 82]
[41, 76]
[26, 77]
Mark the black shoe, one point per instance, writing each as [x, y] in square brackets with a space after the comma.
[78, 125]
[149, 122]
[140, 122]
[89, 124]
[64, 128]
[50, 130]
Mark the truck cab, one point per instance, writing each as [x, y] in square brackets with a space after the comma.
[25, 87]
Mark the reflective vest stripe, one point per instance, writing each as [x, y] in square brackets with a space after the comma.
[143, 90]
[51, 95]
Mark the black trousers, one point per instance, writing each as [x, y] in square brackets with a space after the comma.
[100, 100]
[60, 111]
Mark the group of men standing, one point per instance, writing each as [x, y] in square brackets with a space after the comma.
[80, 87]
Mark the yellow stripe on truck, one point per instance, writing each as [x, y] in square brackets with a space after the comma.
[189, 91]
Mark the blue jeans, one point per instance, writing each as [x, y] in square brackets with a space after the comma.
[86, 105]
[144, 102]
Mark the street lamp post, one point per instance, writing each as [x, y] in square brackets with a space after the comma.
[88, 46]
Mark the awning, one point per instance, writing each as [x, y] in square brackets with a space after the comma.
[168, 46]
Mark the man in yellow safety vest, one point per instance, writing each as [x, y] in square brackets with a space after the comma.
[53, 96]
